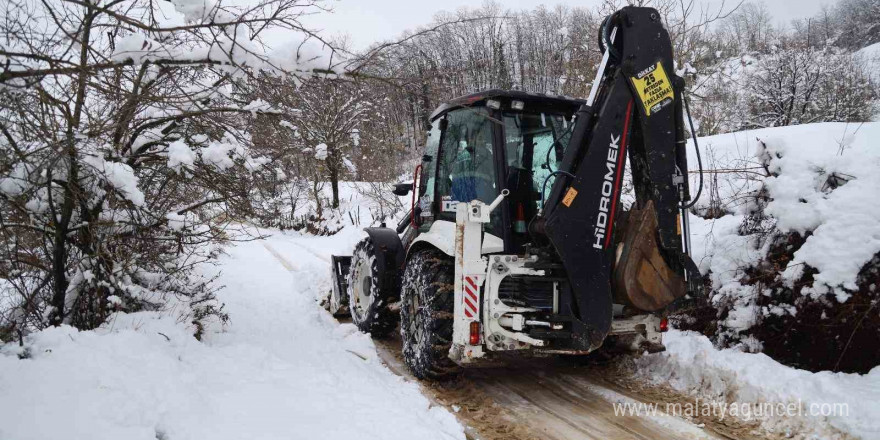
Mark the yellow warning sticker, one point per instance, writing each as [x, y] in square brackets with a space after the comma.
[654, 88]
[569, 197]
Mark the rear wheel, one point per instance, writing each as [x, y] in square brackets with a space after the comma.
[426, 314]
[368, 295]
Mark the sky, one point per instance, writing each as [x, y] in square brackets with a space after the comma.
[369, 21]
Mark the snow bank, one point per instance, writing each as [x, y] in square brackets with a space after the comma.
[823, 178]
[693, 366]
[284, 368]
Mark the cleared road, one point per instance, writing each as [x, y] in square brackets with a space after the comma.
[543, 399]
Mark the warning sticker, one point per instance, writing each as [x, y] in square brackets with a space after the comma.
[654, 88]
[569, 197]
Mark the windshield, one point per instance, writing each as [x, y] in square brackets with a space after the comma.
[466, 168]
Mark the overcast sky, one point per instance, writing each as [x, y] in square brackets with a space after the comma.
[368, 21]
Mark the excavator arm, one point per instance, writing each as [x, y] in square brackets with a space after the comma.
[637, 258]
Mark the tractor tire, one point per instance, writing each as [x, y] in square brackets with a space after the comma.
[426, 314]
[368, 297]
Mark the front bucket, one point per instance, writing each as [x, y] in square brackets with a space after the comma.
[642, 279]
[339, 292]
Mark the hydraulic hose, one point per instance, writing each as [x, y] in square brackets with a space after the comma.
[544, 186]
[605, 37]
[555, 143]
[699, 159]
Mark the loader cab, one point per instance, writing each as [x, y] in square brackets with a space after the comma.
[482, 143]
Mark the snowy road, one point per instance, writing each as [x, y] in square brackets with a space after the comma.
[537, 400]
[542, 399]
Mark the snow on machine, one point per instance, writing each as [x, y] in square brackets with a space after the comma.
[516, 242]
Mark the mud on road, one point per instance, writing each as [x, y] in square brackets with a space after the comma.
[548, 399]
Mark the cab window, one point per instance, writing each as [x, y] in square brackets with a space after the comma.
[534, 145]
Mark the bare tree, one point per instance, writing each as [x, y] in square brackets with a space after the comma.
[748, 29]
[331, 115]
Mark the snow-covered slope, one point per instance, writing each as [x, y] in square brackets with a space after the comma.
[284, 369]
[823, 178]
[871, 55]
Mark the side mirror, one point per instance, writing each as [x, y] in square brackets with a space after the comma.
[402, 189]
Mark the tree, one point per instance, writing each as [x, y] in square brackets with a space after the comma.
[126, 151]
[800, 85]
[748, 29]
[856, 23]
[329, 119]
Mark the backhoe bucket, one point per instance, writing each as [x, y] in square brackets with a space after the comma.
[642, 279]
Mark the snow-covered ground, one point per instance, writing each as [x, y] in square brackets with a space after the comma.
[284, 368]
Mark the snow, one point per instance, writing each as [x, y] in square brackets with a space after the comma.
[300, 51]
[138, 48]
[871, 55]
[180, 154]
[258, 106]
[175, 221]
[356, 137]
[217, 154]
[120, 176]
[195, 10]
[693, 366]
[870, 51]
[16, 182]
[284, 368]
[321, 152]
[801, 160]
[719, 250]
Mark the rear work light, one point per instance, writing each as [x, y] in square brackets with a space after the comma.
[475, 333]
[664, 325]
[517, 105]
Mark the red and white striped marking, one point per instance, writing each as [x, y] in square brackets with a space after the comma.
[470, 297]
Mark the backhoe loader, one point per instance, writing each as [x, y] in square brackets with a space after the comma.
[516, 242]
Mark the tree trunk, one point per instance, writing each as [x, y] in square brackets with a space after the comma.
[316, 193]
[59, 248]
[334, 186]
